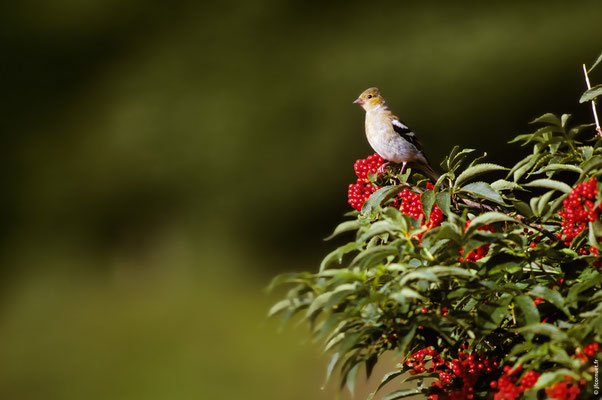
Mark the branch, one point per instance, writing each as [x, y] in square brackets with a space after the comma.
[589, 86]
[517, 217]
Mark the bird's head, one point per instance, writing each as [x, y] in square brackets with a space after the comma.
[370, 99]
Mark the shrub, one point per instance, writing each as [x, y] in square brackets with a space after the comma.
[490, 288]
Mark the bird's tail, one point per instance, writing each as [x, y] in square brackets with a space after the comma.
[428, 170]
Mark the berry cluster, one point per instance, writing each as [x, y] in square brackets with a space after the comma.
[457, 377]
[478, 253]
[407, 201]
[579, 209]
[569, 389]
[591, 349]
[507, 384]
[588, 351]
[360, 191]
[410, 203]
[565, 390]
[417, 360]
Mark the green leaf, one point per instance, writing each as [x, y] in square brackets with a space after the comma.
[550, 296]
[562, 167]
[330, 368]
[337, 255]
[406, 339]
[451, 271]
[424, 274]
[591, 164]
[548, 378]
[401, 394]
[345, 227]
[594, 230]
[595, 64]
[476, 170]
[280, 306]
[443, 200]
[543, 202]
[290, 277]
[517, 172]
[591, 280]
[545, 329]
[591, 94]
[502, 184]
[378, 228]
[523, 208]
[483, 190]
[350, 378]
[323, 299]
[547, 118]
[427, 200]
[373, 256]
[529, 310]
[379, 197]
[388, 377]
[487, 219]
[549, 184]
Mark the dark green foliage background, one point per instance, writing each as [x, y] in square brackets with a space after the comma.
[160, 162]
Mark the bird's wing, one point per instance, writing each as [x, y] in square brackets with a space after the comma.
[407, 134]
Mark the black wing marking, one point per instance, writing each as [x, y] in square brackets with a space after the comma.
[407, 134]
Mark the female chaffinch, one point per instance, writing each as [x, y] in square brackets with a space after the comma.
[390, 137]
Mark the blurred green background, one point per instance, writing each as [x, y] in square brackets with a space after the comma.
[161, 161]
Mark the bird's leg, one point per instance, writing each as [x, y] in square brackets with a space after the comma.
[400, 173]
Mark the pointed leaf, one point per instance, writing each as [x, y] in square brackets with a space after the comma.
[389, 376]
[529, 310]
[547, 118]
[401, 394]
[548, 378]
[330, 368]
[487, 219]
[423, 274]
[451, 271]
[350, 378]
[591, 94]
[502, 184]
[545, 329]
[336, 256]
[345, 227]
[443, 202]
[562, 167]
[379, 197]
[427, 199]
[549, 184]
[476, 170]
[595, 64]
[483, 190]
[278, 307]
[550, 296]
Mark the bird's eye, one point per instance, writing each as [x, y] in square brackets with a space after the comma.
[369, 96]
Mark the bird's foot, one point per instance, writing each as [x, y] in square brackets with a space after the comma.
[384, 168]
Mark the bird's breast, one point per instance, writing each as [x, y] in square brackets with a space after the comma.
[386, 142]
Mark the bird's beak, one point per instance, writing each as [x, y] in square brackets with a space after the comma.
[358, 101]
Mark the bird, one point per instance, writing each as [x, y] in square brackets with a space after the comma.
[391, 138]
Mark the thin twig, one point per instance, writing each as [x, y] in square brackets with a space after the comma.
[589, 86]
